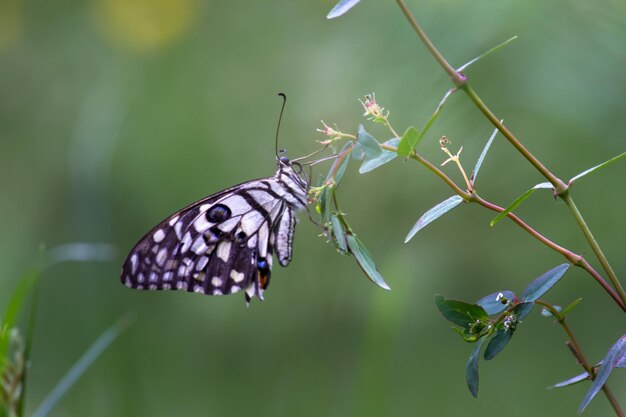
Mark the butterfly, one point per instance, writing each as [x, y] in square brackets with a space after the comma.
[224, 243]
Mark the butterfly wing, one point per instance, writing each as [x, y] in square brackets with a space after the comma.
[218, 245]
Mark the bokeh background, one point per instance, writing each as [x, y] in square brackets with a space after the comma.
[115, 113]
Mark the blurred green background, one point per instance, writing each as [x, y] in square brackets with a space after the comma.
[115, 113]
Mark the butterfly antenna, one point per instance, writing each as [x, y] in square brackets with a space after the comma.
[280, 117]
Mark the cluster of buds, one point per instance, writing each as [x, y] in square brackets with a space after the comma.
[373, 111]
[333, 135]
[443, 144]
[510, 322]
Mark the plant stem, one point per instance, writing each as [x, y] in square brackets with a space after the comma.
[594, 245]
[580, 356]
[561, 189]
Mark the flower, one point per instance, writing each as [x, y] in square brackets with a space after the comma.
[373, 110]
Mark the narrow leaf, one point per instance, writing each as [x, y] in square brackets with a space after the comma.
[365, 261]
[471, 369]
[408, 141]
[383, 158]
[571, 381]
[369, 145]
[79, 368]
[483, 154]
[459, 312]
[493, 303]
[339, 233]
[435, 114]
[571, 306]
[497, 343]
[489, 52]
[21, 292]
[602, 165]
[541, 285]
[518, 201]
[340, 8]
[433, 214]
[610, 361]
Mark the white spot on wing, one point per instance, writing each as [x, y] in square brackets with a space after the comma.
[234, 289]
[153, 277]
[167, 286]
[198, 246]
[133, 263]
[216, 281]
[201, 223]
[202, 263]
[217, 292]
[174, 220]
[198, 289]
[161, 257]
[158, 236]
[236, 276]
[223, 251]
[168, 276]
[251, 222]
[263, 235]
[152, 287]
[140, 277]
[186, 242]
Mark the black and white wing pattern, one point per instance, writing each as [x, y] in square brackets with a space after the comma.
[224, 243]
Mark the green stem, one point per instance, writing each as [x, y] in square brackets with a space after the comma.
[594, 245]
[580, 356]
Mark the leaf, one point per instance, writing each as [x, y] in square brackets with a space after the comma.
[602, 165]
[519, 200]
[471, 369]
[369, 145]
[497, 343]
[481, 158]
[365, 261]
[523, 309]
[433, 214]
[79, 368]
[408, 141]
[384, 157]
[492, 303]
[22, 290]
[435, 114]
[342, 7]
[339, 166]
[459, 312]
[571, 306]
[339, 233]
[610, 361]
[484, 54]
[571, 381]
[541, 285]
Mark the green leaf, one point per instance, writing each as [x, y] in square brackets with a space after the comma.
[483, 154]
[433, 214]
[518, 201]
[602, 165]
[459, 312]
[342, 7]
[365, 261]
[492, 303]
[471, 369]
[339, 166]
[339, 233]
[610, 361]
[369, 145]
[497, 343]
[541, 285]
[22, 290]
[571, 381]
[384, 157]
[571, 306]
[408, 142]
[523, 309]
[435, 114]
[79, 368]
[489, 52]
